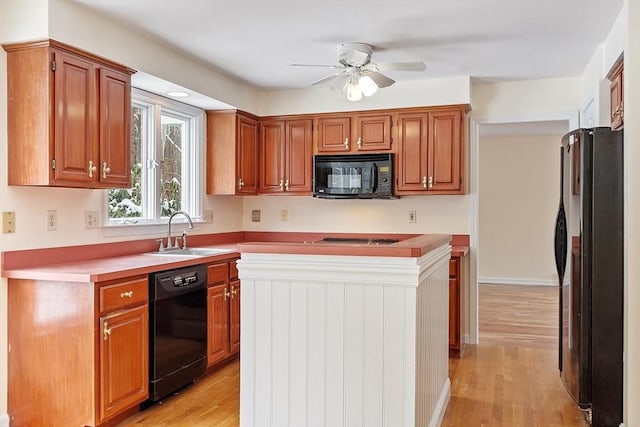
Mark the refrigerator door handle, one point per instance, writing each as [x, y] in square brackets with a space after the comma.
[560, 242]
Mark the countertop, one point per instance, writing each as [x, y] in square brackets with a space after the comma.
[103, 262]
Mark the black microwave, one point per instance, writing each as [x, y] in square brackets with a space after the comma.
[354, 176]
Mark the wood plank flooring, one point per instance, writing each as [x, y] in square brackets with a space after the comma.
[510, 379]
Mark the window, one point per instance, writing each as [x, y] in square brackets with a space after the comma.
[166, 162]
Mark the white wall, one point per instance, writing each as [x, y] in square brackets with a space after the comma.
[518, 187]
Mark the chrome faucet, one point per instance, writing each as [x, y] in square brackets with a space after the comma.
[184, 234]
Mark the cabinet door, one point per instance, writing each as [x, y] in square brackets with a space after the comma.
[247, 156]
[334, 134]
[272, 155]
[298, 156]
[234, 318]
[617, 104]
[412, 152]
[217, 323]
[124, 360]
[372, 133]
[454, 316]
[445, 151]
[74, 109]
[115, 123]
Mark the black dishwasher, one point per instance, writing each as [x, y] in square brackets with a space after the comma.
[177, 329]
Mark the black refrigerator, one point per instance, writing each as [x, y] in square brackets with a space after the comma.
[589, 259]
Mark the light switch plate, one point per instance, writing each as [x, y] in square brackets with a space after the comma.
[9, 222]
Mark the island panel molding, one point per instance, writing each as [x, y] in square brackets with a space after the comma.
[344, 340]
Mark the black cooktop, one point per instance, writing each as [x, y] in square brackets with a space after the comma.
[358, 240]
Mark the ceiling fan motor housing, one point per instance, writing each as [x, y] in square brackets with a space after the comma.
[354, 54]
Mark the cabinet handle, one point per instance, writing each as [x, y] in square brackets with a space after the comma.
[282, 185]
[105, 170]
[424, 182]
[286, 185]
[92, 168]
[128, 294]
[431, 182]
[240, 183]
[359, 143]
[346, 143]
[233, 291]
[227, 295]
[621, 111]
[106, 330]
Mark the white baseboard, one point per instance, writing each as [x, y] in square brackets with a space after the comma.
[512, 281]
[441, 407]
[4, 420]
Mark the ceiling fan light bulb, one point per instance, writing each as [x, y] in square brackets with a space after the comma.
[367, 86]
[354, 93]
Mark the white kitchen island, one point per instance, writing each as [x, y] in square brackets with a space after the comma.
[344, 335]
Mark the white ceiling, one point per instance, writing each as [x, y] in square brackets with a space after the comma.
[489, 40]
[255, 41]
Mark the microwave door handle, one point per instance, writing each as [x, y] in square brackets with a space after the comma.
[374, 172]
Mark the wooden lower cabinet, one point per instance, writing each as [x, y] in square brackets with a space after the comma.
[455, 328]
[124, 360]
[223, 312]
[78, 351]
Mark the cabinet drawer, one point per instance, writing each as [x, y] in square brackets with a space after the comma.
[123, 294]
[453, 267]
[217, 273]
[233, 270]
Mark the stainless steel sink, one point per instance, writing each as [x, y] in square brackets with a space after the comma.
[192, 252]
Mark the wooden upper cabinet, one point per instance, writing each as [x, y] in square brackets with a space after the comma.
[354, 133]
[617, 94]
[372, 133]
[285, 156]
[430, 154]
[68, 117]
[232, 152]
[334, 134]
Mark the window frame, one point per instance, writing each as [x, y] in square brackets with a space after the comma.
[192, 164]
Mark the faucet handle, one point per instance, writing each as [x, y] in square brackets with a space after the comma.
[161, 248]
[184, 240]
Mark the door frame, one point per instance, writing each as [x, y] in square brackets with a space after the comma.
[572, 117]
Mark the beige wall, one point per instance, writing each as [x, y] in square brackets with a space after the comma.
[518, 201]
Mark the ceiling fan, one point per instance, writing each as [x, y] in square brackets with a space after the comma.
[358, 75]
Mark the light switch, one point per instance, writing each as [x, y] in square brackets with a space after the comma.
[9, 222]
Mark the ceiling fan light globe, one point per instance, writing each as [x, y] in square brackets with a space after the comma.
[354, 93]
[367, 86]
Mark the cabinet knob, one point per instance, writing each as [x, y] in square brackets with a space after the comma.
[106, 330]
[105, 170]
[359, 143]
[240, 183]
[346, 143]
[227, 295]
[282, 185]
[424, 182]
[286, 185]
[431, 182]
[92, 168]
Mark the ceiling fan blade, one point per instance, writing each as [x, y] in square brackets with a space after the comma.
[380, 79]
[340, 84]
[402, 66]
[317, 65]
[326, 80]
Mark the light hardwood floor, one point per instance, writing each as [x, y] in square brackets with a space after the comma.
[510, 379]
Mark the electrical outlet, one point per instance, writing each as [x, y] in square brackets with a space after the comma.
[208, 216]
[91, 219]
[412, 216]
[284, 215]
[52, 220]
[255, 215]
[9, 222]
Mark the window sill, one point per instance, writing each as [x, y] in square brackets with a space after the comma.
[141, 229]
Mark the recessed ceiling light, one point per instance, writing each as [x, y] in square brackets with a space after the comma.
[178, 94]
